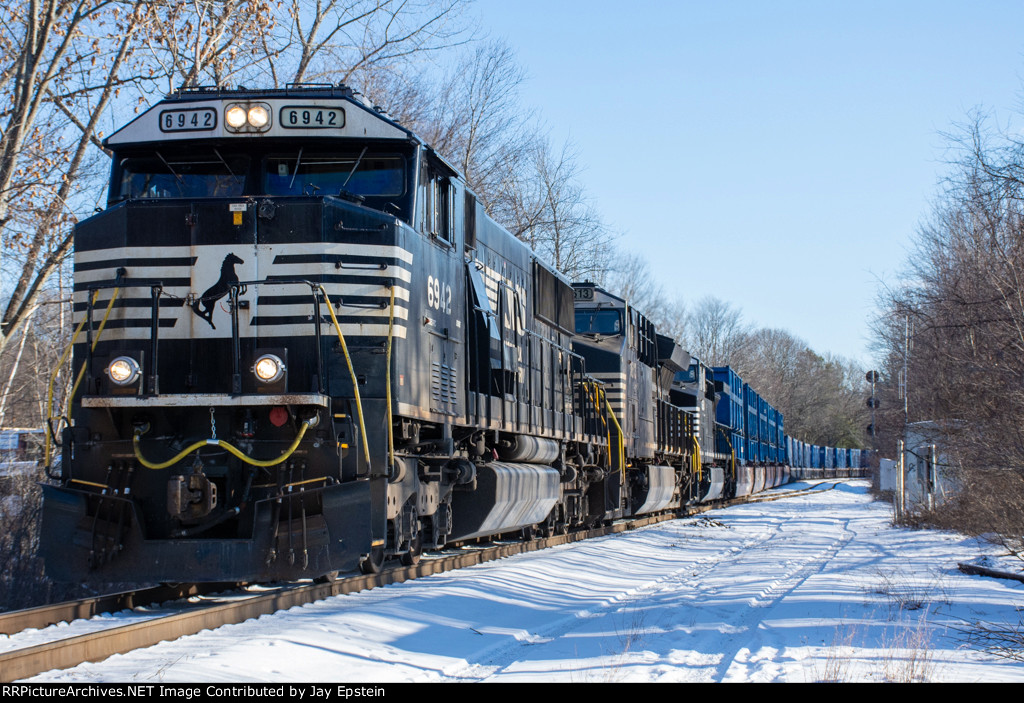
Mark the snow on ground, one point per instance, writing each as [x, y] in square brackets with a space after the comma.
[811, 588]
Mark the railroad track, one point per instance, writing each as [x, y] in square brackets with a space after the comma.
[779, 495]
[16, 621]
[205, 612]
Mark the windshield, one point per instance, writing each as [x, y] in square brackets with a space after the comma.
[688, 376]
[204, 174]
[305, 173]
[598, 322]
[218, 172]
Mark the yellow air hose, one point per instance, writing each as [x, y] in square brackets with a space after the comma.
[223, 445]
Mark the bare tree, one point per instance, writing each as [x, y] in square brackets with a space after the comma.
[630, 278]
[560, 223]
[821, 397]
[475, 117]
[716, 330]
[671, 319]
[347, 39]
[208, 41]
[66, 61]
[952, 337]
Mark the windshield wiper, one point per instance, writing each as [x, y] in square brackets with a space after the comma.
[296, 171]
[353, 171]
[181, 181]
[230, 172]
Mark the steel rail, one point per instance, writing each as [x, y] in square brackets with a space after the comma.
[767, 498]
[15, 621]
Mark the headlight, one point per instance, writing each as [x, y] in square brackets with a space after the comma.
[269, 368]
[247, 118]
[123, 370]
[235, 116]
[258, 116]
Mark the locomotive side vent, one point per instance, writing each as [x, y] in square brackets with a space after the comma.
[442, 383]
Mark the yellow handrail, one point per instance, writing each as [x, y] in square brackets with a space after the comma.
[81, 372]
[355, 381]
[387, 382]
[622, 449]
[99, 332]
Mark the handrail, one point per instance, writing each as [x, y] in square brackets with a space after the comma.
[53, 379]
[63, 357]
[92, 348]
[618, 428]
[355, 381]
[157, 292]
[387, 384]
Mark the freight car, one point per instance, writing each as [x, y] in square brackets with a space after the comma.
[302, 347]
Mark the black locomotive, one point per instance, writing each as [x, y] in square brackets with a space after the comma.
[304, 347]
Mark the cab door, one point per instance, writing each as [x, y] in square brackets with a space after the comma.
[445, 295]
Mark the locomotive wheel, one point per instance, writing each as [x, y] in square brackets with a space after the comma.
[552, 526]
[412, 557]
[329, 577]
[373, 562]
[547, 528]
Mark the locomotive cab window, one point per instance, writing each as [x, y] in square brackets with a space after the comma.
[437, 203]
[308, 172]
[206, 174]
[606, 322]
[688, 376]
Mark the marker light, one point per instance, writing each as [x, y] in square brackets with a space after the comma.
[268, 368]
[235, 116]
[123, 370]
[258, 116]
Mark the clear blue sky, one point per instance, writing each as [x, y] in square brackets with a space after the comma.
[779, 155]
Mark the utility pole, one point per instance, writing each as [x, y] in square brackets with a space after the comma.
[904, 382]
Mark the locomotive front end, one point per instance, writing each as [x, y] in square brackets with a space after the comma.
[237, 303]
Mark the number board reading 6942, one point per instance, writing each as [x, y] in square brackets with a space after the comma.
[306, 117]
[194, 120]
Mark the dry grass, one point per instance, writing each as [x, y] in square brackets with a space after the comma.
[903, 654]
[630, 632]
[908, 652]
[906, 593]
[837, 659]
[989, 505]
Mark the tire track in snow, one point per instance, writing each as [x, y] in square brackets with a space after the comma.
[745, 660]
[492, 662]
